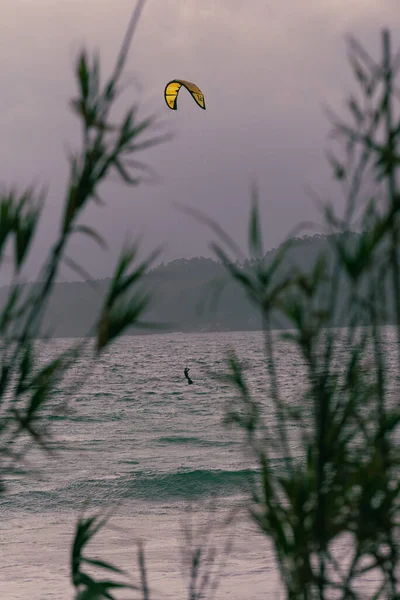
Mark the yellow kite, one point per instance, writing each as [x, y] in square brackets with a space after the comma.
[172, 90]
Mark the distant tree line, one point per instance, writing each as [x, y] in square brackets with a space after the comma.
[188, 294]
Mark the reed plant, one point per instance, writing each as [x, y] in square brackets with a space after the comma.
[341, 489]
[344, 483]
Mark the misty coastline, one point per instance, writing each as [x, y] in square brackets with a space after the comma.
[187, 295]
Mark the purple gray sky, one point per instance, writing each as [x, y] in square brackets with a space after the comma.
[267, 69]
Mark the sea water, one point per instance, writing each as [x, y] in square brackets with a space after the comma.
[135, 440]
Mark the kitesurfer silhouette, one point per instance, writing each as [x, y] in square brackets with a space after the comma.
[186, 373]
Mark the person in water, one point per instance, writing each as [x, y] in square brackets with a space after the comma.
[186, 373]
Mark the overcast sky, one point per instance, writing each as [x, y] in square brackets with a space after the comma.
[267, 69]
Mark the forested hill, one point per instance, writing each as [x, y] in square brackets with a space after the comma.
[182, 292]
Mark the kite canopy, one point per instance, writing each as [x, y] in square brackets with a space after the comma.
[172, 90]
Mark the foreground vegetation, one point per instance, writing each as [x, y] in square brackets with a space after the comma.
[348, 485]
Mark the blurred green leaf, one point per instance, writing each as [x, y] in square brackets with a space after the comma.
[85, 531]
[255, 236]
[92, 233]
[19, 216]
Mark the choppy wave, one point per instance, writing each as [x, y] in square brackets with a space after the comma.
[193, 441]
[138, 485]
[86, 418]
[187, 484]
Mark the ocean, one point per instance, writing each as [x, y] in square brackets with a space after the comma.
[154, 452]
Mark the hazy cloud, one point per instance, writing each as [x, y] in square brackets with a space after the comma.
[266, 69]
